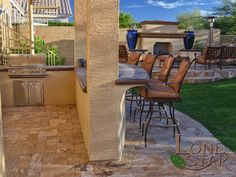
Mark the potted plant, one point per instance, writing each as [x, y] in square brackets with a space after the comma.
[132, 37]
[190, 36]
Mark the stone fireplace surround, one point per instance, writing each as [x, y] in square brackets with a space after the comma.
[163, 33]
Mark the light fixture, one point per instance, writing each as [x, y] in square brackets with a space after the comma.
[211, 20]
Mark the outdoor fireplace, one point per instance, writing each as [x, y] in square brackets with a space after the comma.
[162, 48]
[161, 37]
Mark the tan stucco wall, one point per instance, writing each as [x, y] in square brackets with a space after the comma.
[61, 36]
[59, 88]
[83, 112]
[2, 159]
[160, 28]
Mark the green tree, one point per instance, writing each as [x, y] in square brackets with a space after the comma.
[126, 20]
[194, 18]
[226, 24]
[227, 17]
[227, 9]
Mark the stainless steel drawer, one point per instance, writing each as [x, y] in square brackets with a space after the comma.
[28, 92]
[35, 92]
[21, 92]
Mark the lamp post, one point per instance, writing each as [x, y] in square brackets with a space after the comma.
[211, 20]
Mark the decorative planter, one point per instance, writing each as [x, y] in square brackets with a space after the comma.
[132, 38]
[189, 40]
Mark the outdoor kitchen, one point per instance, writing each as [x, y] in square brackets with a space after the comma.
[28, 81]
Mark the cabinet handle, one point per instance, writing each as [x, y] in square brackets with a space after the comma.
[24, 84]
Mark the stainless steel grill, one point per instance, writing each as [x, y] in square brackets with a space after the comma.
[27, 66]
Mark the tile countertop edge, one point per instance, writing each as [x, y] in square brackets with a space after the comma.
[131, 81]
[60, 68]
[48, 68]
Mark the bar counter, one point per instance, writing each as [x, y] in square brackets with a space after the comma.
[131, 75]
[81, 76]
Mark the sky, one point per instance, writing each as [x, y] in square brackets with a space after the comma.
[164, 9]
[72, 8]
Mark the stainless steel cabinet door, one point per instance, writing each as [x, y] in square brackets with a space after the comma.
[21, 92]
[35, 92]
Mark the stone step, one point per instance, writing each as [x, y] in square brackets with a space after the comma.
[202, 75]
[193, 80]
[197, 73]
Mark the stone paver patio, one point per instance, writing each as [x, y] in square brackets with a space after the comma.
[47, 142]
[43, 141]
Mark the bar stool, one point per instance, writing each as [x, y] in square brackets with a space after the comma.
[167, 93]
[162, 78]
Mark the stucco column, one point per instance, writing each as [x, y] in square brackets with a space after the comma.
[105, 121]
[80, 19]
[101, 110]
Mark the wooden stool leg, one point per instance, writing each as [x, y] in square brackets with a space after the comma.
[178, 141]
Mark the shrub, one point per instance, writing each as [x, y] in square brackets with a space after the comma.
[54, 23]
[41, 47]
[198, 45]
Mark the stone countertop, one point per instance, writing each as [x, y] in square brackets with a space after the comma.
[131, 75]
[81, 74]
[4, 68]
[60, 68]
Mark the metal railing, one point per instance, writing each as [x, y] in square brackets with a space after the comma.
[12, 42]
[45, 9]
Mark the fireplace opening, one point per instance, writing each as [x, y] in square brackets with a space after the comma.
[162, 48]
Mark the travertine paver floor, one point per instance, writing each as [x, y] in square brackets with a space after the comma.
[43, 141]
[47, 141]
[153, 161]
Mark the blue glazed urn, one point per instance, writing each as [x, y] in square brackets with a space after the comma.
[189, 40]
[132, 38]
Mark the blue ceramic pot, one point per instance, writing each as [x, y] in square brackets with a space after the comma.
[132, 38]
[189, 40]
